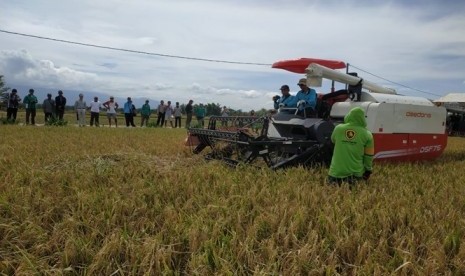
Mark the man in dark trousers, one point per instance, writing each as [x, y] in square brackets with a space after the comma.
[48, 106]
[12, 105]
[189, 111]
[30, 102]
[161, 114]
[60, 103]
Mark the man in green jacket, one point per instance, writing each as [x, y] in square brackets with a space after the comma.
[145, 113]
[353, 150]
[30, 102]
[200, 113]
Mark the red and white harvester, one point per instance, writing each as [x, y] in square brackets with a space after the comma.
[404, 128]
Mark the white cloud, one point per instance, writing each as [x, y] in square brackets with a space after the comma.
[21, 67]
[417, 46]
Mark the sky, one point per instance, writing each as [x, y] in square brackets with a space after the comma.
[417, 48]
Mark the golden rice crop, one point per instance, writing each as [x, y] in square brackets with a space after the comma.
[101, 201]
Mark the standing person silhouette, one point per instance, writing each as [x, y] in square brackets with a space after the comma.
[30, 102]
[13, 101]
[60, 104]
[111, 105]
[95, 112]
[189, 112]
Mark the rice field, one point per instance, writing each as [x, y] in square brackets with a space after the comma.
[135, 201]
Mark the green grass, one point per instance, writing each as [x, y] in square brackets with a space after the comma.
[101, 201]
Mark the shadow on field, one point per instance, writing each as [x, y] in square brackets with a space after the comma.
[450, 157]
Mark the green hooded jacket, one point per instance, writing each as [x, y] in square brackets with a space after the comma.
[353, 146]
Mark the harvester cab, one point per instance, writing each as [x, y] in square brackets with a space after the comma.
[404, 128]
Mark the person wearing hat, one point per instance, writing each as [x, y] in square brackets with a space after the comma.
[305, 99]
[80, 108]
[12, 105]
[286, 100]
[111, 107]
[60, 103]
[145, 112]
[48, 106]
[30, 102]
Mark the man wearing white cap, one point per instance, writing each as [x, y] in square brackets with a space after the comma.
[306, 98]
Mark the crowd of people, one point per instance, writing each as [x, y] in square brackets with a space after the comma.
[50, 106]
[54, 108]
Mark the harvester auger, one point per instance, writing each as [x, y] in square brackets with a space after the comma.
[244, 139]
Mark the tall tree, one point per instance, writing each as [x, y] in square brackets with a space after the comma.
[3, 92]
[213, 109]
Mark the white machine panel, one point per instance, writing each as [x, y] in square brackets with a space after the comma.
[389, 98]
[419, 119]
[397, 117]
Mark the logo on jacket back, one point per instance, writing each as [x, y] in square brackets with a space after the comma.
[350, 134]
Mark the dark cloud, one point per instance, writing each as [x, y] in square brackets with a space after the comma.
[109, 65]
[14, 62]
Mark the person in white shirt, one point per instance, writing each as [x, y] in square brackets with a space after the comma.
[224, 113]
[111, 107]
[95, 112]
[177, 115]
[169, 114]
[80, 108]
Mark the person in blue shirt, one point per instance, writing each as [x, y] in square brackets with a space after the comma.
[129, 110]
[286, 100]
[305, 99]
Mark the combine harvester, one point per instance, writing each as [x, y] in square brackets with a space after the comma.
[404, 128]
